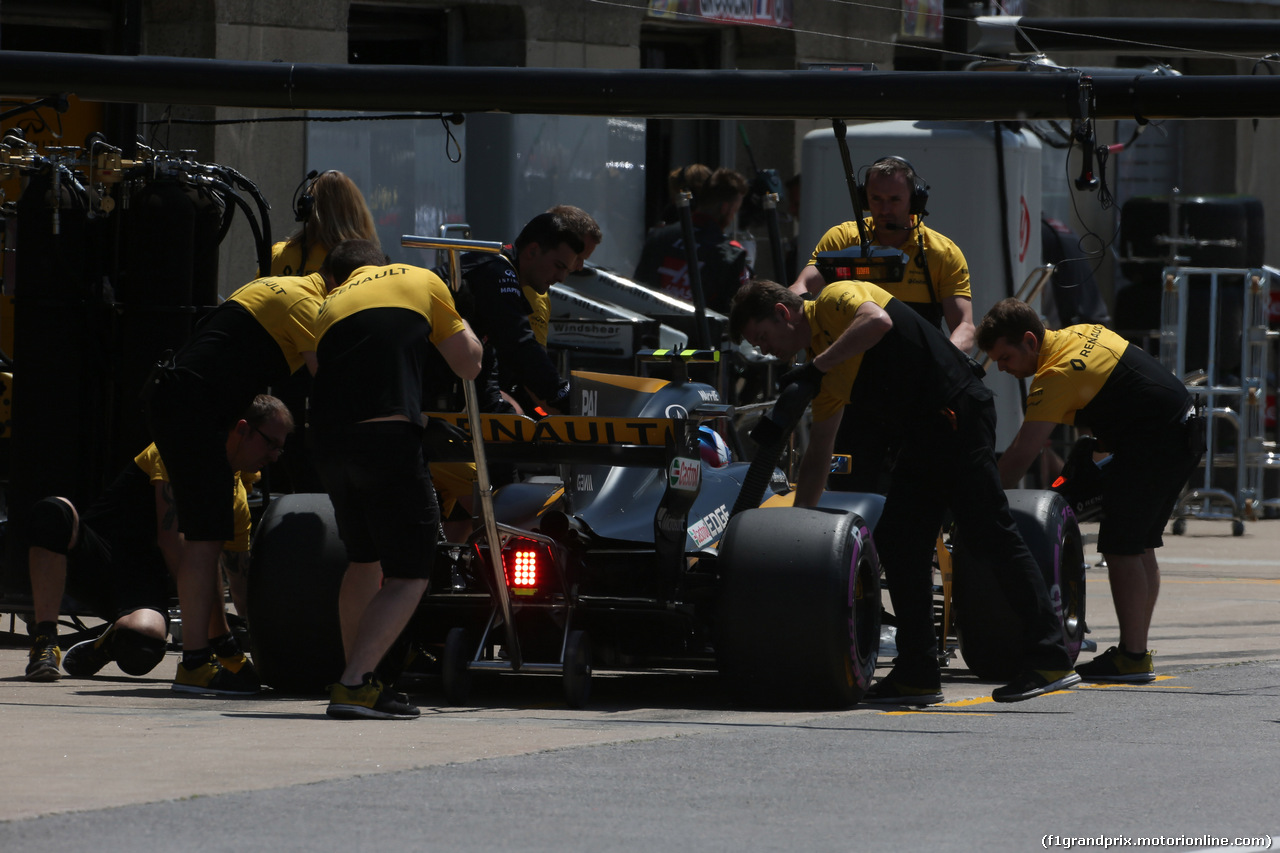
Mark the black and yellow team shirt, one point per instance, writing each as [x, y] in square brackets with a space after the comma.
[948, 269]
[829, 315]
[1091, 377]
[373, 336]
[286, 258]
[252, 341]
[902, 382]
[286, 307]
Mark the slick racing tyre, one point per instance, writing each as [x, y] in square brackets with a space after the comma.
[798, 612]
[295, 575]
[988, 628]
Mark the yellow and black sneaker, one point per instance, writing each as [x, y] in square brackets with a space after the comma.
[369, 701]
[86, 658]
[211, 679]
[44, 658]
[240, 666]
[1115, 664]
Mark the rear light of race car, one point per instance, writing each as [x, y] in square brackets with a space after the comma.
[528, 565]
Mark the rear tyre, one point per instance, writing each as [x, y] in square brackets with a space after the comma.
[988, 628]
[577, 669]
[455, 677]
[296, 573]
[798, 614]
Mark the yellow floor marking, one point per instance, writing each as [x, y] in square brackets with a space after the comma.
[950, 714]
[944, 707]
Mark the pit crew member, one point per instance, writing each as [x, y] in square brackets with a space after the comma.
[1091, 377]
[116, 557]
[251, 342]
[870, 356]
[373, 334]
[935, 283]
[494, 302]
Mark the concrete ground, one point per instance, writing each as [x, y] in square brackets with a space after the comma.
[1219, 605]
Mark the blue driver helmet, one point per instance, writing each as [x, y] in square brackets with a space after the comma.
[713, 448]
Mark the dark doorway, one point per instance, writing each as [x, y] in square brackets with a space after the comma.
[673, 143]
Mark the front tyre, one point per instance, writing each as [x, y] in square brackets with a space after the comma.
[798, 612]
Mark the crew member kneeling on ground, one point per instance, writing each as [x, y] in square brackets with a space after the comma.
[870, 356]
[1089, 376]
[117, 556]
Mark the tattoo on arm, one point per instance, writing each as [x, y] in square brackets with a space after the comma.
[170, 519]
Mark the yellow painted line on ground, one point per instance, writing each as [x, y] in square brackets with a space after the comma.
[944, 708]
[944, 712]
[1102, 685]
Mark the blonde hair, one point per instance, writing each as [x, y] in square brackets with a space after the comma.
[339, 213]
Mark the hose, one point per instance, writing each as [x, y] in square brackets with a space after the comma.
[771, 435]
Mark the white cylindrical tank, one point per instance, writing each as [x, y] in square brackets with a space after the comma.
[960, 161]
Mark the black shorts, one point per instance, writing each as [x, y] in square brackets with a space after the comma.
[1142, 487]
[190, 432]
[114, 580]
[382, 496]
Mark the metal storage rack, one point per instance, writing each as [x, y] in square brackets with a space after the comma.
[1234, 402]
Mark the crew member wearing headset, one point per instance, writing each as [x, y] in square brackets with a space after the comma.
[331, 209]
[935, 284]
[1089, 376]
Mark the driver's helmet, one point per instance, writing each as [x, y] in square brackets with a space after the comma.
[713, 448]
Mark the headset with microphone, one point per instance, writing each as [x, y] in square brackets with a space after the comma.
[919, 189]
[304, 200]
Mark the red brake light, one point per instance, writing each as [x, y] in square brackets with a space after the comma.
[522, 568]
[1058, 482]
[526, 564]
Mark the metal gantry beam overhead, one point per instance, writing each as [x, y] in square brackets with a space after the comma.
[933, 95]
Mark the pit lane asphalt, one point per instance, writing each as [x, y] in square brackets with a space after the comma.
[660, 759]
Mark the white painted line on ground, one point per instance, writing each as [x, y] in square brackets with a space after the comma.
[1212, 561]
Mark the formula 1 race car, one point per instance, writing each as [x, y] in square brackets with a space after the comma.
[648, 546]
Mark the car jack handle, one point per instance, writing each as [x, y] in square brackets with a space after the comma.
[512, 646]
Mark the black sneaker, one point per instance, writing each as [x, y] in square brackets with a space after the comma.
[1036, 682]
[907, 685]
[43, 660]
[369, 701]
[85, 659]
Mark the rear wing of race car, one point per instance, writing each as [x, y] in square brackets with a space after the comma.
[571, 439]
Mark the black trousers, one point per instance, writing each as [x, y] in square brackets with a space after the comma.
[949, 463]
